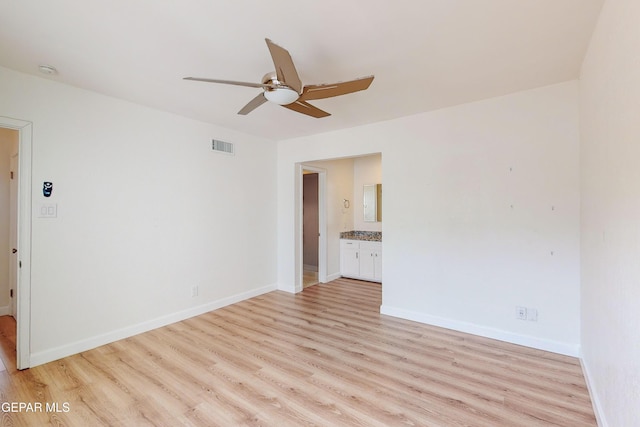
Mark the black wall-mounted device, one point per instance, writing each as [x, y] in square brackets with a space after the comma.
[47, 188]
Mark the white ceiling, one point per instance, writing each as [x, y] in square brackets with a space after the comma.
[425, 54]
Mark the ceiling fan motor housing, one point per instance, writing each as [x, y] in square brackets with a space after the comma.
[279, 93]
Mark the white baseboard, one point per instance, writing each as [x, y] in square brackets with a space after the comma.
[291, 289]
[483, 331]
[595, 401]
[56, 353]
[332, 277]
[296, 289]
[5, 310]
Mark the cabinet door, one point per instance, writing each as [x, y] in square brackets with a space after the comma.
[371, 261]
[350, 260]
[367, 263]
[377, 265]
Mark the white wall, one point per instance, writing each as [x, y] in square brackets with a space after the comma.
[8, 145]
[366, 170]
[610, 188]
[146, 211]
[456, 253]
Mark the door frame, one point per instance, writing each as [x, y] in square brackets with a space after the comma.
[23, 290]
[322, 225]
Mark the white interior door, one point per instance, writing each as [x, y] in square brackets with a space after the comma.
[13, 234]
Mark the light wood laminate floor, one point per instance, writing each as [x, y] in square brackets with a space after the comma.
[322, 357]
[309, 278]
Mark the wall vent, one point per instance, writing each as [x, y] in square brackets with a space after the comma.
[221, 146]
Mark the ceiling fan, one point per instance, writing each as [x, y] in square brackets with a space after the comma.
[284, 87]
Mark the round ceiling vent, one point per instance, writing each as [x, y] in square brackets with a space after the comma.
[47, 69]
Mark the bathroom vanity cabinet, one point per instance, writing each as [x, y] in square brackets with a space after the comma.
[361, 259]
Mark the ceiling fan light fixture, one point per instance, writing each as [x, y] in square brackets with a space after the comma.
[281, 95]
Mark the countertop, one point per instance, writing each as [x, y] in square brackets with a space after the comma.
[369, 236]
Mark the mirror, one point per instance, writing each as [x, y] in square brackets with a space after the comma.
[372, 202]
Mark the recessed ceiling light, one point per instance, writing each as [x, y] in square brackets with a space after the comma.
[47, 69]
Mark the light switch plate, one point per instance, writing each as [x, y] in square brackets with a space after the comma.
[48, 210]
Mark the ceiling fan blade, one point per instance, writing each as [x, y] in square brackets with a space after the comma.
[253, 104]
[335, 89]
[285, 70]
[227, 82]
[306, 108]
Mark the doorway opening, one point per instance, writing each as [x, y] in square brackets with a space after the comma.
[310, 228]
[312, 257]
[341, 184]
[8, 243]
[15, 237]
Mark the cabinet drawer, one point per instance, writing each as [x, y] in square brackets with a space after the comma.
[353, 244]
[371, 246]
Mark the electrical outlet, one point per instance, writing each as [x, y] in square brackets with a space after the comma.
[521, 313]
[194, 291]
